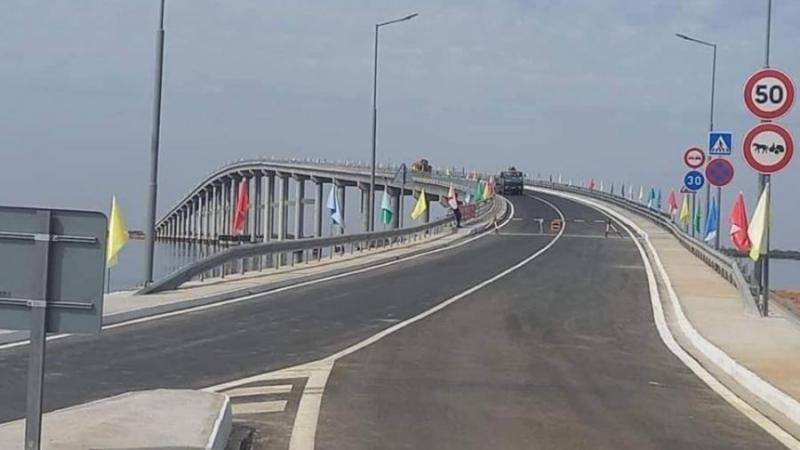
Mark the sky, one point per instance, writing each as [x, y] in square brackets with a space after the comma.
[585, 88]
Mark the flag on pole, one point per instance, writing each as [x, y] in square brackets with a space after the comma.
[602, 188]
[117, 234]
[651, 198]
[622, 191]
[477, 196]
[739, 227]
[658, 201]
[386, 209]
[685, 215]
[672, 203]
[242, 204]
[612, 189]
[591, 184]
[559, 179]
[711, 222]
[333, 207]
[452, 200]
[421, 206]
[641, 194]
[698, 219]
[488, 190]
[759, 226]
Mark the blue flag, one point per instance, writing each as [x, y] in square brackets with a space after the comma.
[711, 222]
[333, 207]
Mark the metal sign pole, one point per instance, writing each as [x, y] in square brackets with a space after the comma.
[38, 315]
[762, 266]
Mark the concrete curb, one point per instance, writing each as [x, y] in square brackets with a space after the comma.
[218, 439]
[775, 398]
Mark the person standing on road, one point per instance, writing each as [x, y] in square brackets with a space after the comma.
[454, 205]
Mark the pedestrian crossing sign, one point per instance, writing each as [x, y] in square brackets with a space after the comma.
[720, 143]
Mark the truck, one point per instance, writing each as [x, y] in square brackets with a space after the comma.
[510, 182]
[421, 165]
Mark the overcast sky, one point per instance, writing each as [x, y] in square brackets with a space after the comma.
[587, 88]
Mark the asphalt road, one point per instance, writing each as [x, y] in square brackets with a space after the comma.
[562, 353]
[208, 347]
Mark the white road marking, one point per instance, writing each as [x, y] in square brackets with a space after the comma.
[317, 372]
[259, 390]
[400, 259]
[259, 407]
[666, 335]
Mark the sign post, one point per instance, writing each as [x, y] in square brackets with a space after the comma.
[768, 94]
[51, 280]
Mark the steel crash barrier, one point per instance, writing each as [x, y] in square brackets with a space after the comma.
[724, 265]
[250, 257]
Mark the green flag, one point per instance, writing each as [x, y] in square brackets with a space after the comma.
[478, 195]
[386, 209]
[698, 219]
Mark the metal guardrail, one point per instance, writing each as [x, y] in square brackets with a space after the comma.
[724, 265]
[236, 257]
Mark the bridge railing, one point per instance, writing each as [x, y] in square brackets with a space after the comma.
[240, 259]
[724, 265]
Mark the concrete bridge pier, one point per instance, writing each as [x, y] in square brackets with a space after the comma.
[318, 205]
[299, 207]
[394, 201]
[256, 206]
[342, 197]
[364, 188]
[269, 206]
[283, 205]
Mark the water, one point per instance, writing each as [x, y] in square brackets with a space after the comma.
[783, 273]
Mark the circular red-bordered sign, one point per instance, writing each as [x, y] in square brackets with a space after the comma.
[719, 172]
[768, 148]
[769, 94]
[694, 157]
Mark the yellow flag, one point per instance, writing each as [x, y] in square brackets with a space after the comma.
[117, 234]
[420, 207]
[759, 226]
[641, 194]
[685, 216]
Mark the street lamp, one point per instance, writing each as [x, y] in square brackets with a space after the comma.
[710, 127]
[150, 219]
[371, 205]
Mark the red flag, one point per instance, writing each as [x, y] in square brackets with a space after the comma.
[242, 204]
[738, 222]
[672, 202]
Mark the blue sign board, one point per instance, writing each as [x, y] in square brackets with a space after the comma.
[694, 180]
[720, 143]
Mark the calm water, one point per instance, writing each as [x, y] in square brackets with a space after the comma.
[783, 273]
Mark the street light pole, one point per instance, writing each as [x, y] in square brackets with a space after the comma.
[710, 128]
[150, 220]
[370, 207]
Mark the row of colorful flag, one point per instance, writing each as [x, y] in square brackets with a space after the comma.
[745, 237]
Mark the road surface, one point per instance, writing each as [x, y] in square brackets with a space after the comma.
[560, 353]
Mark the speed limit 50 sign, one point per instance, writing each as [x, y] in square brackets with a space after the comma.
[769, 93]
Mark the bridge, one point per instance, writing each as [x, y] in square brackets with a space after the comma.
[206, 212]
[613, 329]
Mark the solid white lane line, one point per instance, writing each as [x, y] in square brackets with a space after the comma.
[401, 259]
[666, 334]
[259, 390]
[259, 407]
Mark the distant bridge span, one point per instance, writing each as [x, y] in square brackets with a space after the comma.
[205, 213]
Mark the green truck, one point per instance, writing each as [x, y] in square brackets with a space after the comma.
[510, 182]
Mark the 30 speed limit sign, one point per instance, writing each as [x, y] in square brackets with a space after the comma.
[769, 94]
